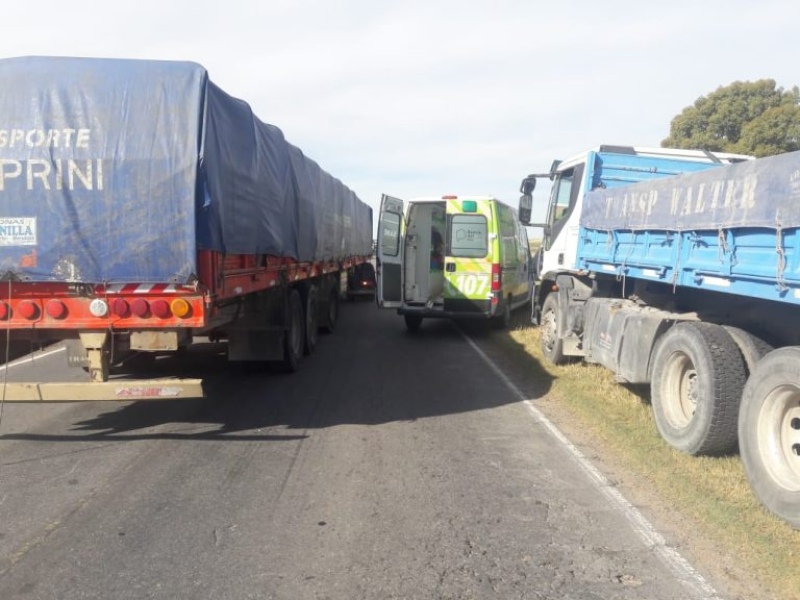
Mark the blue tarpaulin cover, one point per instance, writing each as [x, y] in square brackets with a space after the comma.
[760, 193]
[121, 170]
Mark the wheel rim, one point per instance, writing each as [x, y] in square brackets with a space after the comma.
[778, 436]
[549, 330]
[679, 391]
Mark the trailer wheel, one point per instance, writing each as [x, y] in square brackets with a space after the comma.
[293, 337]
[331, 311]
[311, 313]
[552, 345]
[769, 433]
[753, 348]
[696, 388]
[413, 322]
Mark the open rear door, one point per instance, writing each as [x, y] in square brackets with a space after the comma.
[390, 253]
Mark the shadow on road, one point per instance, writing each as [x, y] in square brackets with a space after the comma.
[371, 371]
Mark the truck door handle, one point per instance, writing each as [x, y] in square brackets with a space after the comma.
[450, 267]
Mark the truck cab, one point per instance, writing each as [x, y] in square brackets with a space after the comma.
[603, 167]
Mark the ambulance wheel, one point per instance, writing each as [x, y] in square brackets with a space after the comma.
[413, 322]
[311, 319]
[769, 433]
[696, 388]
[293, 337]
[552, 345]
[503, 320]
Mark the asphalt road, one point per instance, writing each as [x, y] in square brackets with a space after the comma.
[392, 466]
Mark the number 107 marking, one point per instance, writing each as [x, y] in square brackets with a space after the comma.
[472, 285]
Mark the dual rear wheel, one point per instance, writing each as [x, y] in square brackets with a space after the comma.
[715, 388]
[698, 373]
[302, 326]
[769, 433]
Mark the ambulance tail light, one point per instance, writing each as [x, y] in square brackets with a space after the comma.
[497, 277]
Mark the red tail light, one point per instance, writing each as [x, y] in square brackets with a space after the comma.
[161, 309]
[28, 310]
[56, 309]
[4, 311]
[121, 308]
[497, 277]
[140, 308]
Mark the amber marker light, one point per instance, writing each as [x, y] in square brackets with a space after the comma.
[180, 308]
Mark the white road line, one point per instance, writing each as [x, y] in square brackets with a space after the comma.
[30, 357]
[682, 569]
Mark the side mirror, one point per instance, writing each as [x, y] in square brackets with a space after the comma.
[528, 185]
[524, 210]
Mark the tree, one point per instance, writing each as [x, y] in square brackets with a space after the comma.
[749, 117]
[774, 132]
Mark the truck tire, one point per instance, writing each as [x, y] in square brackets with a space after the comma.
[552, 345]
[331, 311]
[753, 348]
[696, 388]
[311, 314]
[294, 336]
[413, 322]
[769, 433]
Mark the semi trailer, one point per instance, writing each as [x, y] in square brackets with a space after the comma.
[142, 207]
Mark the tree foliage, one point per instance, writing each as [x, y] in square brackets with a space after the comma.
[749, 117]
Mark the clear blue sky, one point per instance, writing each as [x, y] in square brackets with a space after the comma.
[427, 97]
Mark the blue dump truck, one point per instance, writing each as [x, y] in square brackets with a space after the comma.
[681, 270]
[142, 207]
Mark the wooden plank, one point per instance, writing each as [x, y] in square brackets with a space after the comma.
[123, 391]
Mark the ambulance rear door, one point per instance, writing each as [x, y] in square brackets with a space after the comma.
[389, 255]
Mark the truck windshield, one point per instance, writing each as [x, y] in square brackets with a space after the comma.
[468, 236]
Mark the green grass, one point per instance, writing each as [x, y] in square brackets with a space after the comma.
[710, 494]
